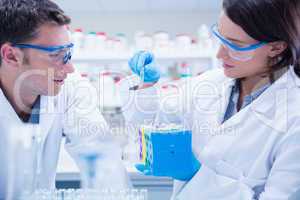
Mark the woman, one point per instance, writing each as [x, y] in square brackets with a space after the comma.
[245, 117]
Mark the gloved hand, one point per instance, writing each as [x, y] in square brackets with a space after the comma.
[178, 174]
[144, 60]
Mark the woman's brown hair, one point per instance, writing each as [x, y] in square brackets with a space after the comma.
[270, 21]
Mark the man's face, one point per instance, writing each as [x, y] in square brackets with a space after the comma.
[43, 73]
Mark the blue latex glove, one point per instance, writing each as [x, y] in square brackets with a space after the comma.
[182, 176]
[144, 59]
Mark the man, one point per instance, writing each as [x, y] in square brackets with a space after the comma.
[35, 51]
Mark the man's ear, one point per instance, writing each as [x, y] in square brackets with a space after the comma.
[277, 48]
[11, 55]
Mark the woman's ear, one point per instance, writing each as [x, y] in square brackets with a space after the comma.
[277, 48]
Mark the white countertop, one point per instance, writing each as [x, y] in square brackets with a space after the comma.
[67, 170]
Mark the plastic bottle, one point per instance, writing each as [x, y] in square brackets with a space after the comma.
[107, 92]
[111, 46]
[101, 42]
[183, 44]
[139, 34]
[90, 44]
[77, 38]
[184, 70]
[123, 41]
[161, 39]
[204, 37]
[144, 42]
[162, 44]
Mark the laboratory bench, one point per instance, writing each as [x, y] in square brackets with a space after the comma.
[68, 176]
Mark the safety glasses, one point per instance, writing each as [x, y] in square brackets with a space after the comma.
[237, 52]
[60, 55]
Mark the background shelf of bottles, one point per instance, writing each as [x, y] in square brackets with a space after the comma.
[103, 57]
[191, 55]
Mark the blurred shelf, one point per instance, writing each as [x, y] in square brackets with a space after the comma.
[125, 58]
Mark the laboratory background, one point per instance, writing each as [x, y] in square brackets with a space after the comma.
[132, 98]
[106, 33]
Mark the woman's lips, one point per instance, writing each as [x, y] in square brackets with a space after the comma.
[227, 66]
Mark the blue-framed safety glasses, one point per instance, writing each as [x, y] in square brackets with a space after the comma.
[237, 52]
[61, 55]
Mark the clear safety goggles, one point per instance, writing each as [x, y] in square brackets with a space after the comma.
[235, 51]
[60, 55]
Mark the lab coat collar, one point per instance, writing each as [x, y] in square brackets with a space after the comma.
[276, 91]
[47, 107]
[271, 107]
[227, 88]
[295, 77]
[266, 107]
[47, 113]
[7, 110]
[267, 100]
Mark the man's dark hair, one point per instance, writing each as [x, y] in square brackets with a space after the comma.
[20, 19]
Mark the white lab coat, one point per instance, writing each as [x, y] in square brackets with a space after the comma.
[73, 112]
[253, 155]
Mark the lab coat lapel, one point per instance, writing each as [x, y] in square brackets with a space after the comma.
[225, 97]
[209, 100]
[223, 137]
[268, 107]
[264, 105]
[223, 134]
[211, 103]
[47, 114]
[222, 100]
[7, 110]
[273, 103]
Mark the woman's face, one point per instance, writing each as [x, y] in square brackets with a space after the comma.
[234, 68]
